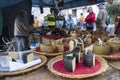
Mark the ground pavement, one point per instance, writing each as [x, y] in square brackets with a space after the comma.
[43, 74]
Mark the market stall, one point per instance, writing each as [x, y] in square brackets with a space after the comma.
[11, 66]
[56, 67]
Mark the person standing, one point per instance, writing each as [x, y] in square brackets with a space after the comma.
[90, 20]
[117, 30]
[22, 27]
[50, 20]
[60, 21]
[81, 21]
[36, 22]
[101, 17]
[69, 22]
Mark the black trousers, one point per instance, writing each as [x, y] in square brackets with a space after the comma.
[89, 28]
[51, 26]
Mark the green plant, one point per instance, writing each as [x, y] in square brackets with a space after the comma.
[113, 9]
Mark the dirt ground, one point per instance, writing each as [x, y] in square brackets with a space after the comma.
[44, 74]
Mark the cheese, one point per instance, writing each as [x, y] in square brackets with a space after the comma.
[59, 41]
[46, 41]
[89, 59]
[112, 40]
[14, 55]
[70, 63]
[88, 41]
[60, 48]
[27, 57]
[46, 48]
[114, 47]
[53, 44]
[71, 45]
[66, 54]
[101, 50]
[76, 53]
[30, 57]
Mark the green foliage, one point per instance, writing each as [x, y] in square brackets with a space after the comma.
[113, 9]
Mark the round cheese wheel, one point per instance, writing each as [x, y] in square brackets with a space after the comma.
[46, 48]
[101, 50]
[114, 47]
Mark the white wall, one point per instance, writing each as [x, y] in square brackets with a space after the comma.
[81, 10]
[36, 12]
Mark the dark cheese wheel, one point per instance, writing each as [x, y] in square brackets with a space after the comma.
[89, 59]
[70, 63]
[27, 57]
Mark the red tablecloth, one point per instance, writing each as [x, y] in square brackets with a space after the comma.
[54, 37]
[115, 54]
[80, 68]
[54, 51]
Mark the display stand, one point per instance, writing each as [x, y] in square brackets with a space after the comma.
[43, 59]
[55, 67]
[38, 51]
[112, 56]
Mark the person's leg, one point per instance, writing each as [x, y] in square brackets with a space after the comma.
[51, 27]
[24, 42]
[19, 43]
[20, 46]
[94, 26]
[70, 26]
[87, 26]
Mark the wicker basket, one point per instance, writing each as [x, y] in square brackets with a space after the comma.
[43, 58]
[48, 54]
[114, 47]
[108, 57]
[102, 69]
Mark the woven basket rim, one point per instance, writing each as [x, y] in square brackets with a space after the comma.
[49, 54]
[43, 58]
[101, 71]
[108, 57]
[114, 66]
